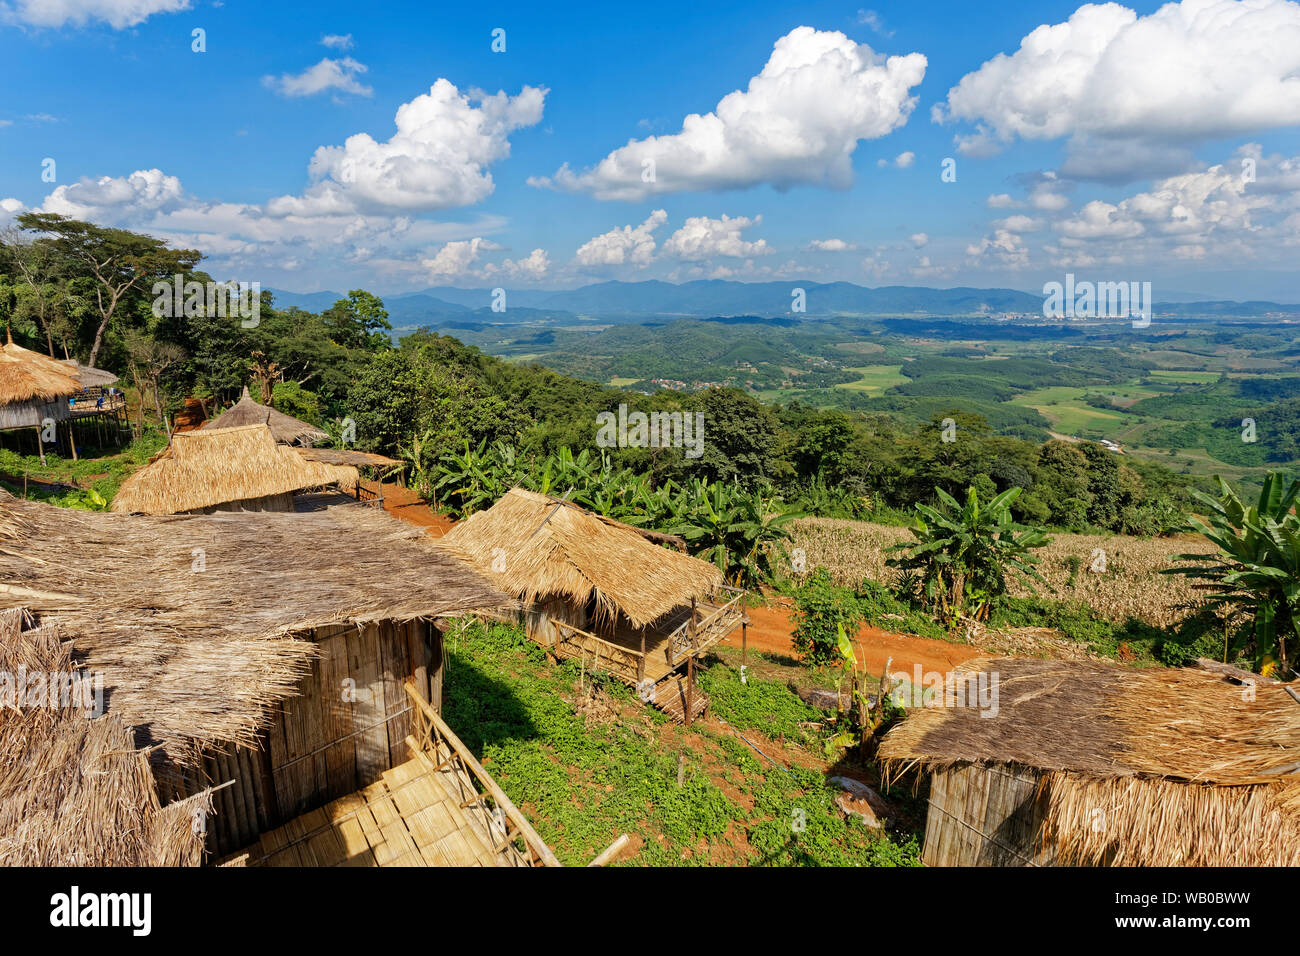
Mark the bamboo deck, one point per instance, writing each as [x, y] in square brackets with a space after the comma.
[410, 817]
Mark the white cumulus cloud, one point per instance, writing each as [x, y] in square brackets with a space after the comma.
[630, 245]
[118, 14]
[1189, 72]
[437, 159]
[797, 122]
[704, 238]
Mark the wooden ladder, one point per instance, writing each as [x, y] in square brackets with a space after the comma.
[670, 697]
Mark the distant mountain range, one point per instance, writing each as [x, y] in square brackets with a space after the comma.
[716, 297]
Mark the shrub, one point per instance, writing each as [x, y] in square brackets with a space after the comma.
[821, 609]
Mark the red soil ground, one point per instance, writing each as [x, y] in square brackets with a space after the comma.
[770, 629]
[190, 417]
[404, 503]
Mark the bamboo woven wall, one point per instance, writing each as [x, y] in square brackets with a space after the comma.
[985, 815]
[330, 741]
[32, 414]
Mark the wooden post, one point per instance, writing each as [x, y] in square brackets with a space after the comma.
[72, 441]
[640, 668]
[744, 628]
[40, 444]
[690, 688]
[434, 636]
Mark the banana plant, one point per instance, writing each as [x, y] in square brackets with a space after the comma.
[1256, 571]
[963, 553]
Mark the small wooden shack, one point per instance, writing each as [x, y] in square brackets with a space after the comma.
[603, 591]
[286, 429]
[34, 391]
[280, 654]
[76, 790]
[230, 469]
[1080, 763]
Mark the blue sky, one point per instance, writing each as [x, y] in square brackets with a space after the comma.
[1126, 142]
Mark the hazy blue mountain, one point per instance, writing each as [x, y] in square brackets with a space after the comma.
[719, 297]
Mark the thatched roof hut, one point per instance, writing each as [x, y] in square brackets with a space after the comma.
[88, 376]
[33, 387]
[241, 647]
[192, 619]
[1094, 764]
[535, 547]
[229, 469]
[286, 429]
[76, 791]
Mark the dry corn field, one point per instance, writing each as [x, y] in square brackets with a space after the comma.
[1128, 587]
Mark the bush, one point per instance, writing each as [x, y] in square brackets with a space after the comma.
[820, 609]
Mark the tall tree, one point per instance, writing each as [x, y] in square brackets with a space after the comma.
[121, 263]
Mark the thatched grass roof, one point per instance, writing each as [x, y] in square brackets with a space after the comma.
[286, 429]
[1187, 768]
[76, 791]
[554, 548]
[201, 469]
[29, 376]
[196, 621]
[88, 376]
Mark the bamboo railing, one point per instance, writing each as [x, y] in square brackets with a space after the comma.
[575, 642]
[503, 823]
[693, 636]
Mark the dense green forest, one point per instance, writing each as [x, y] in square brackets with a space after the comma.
[87, 291]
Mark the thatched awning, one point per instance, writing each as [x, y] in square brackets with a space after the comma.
[348, 456]
[196, 621]
[76, 791]
[202, 469]
[1189, 766]
[88, 376]
[29, 376]
[286, 429]
[550, 547]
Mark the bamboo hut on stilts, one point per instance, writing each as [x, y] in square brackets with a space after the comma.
[604, 592]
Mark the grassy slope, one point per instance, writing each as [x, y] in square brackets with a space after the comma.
[584, 781]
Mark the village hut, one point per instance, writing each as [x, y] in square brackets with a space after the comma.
[600, 590]
[286, 429]
[288, 657]
[77, 791]
[229, 469]
[1035, 763]
[89, 376]
[34, 391]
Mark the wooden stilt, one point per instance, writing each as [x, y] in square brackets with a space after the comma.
[40, 444]
[72, 440]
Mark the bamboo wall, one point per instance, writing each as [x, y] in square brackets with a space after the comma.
[32, 414]
[537, 619]
[348, 725]
[985, 815]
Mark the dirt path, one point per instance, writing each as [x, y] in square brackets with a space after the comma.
[404, 503]
[770, 629]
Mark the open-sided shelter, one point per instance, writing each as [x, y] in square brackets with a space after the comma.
[229, 469]
[1095, 764]
[595, 588]
[281, 654]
